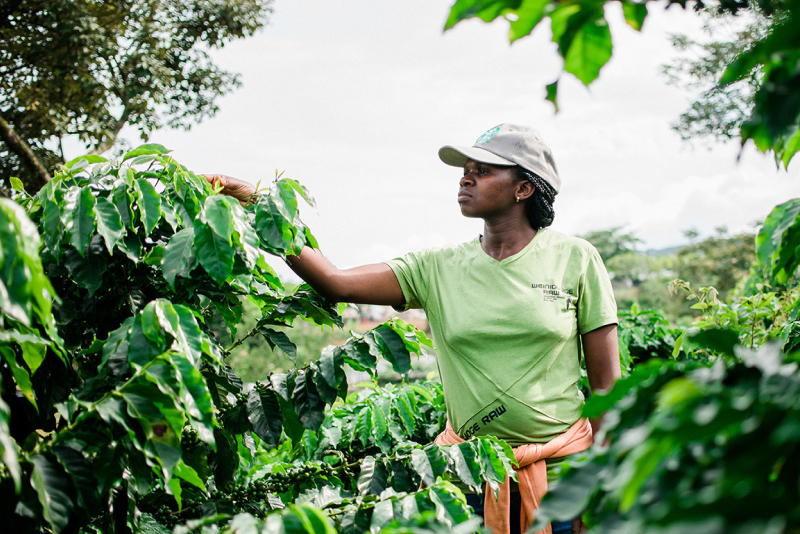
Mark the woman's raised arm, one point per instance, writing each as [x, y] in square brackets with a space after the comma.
[368, 284]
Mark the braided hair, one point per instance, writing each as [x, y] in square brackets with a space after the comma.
[539, 209]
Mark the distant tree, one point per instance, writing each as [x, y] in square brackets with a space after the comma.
[717, 112]
[84, 69]
[611, 242]
[721, 261]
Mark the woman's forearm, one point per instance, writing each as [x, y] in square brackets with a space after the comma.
[368, 284]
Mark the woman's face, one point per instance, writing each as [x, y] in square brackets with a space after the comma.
[486, 190]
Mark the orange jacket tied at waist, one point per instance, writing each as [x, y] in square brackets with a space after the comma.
[532, 474]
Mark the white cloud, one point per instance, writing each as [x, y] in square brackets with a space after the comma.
[355, 98]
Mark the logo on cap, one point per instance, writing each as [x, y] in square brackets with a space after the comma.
[488, 135]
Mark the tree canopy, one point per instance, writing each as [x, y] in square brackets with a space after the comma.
[85, 69]
[581, 31]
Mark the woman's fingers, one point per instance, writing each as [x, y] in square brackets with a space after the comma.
[238, 189]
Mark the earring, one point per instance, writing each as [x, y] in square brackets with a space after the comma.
[517, 199]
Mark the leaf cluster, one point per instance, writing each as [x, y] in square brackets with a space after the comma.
[692, 447]
[581, 32]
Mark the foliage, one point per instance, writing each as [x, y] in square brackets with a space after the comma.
[717, 112]
[611, 242]
[584, 42]
[84, 69]
[639, 278]
[644, 335]
[777, 245]
[692, 448]
[119, 411]
[721, 261]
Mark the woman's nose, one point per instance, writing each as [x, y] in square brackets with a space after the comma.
[466, 179]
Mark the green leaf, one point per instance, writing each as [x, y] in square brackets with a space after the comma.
[8, 448]
[302, 191]
[635, 13]
[589, 50]
[264, 414]
[529, 14]
[372, 479]
[393, 348]
[84, 160]
[283, 194]
[379, 425]
[552, 94]
[280, 340]
[21, 376]
[283, 384]
[188, 474]
[214, 253]
[274, 229]
[331, 366]
[422, 466]
[54, 490]
[82, 475]
[17, 185]
[179, 257]
[306, 401]
[217, 213]
[576, 488]
[466, 466]
[149, 203]
[363, 426]
[109, 223]
[88, 271]
[717, 339]
[146, 149]
[451, 505]
[486, 10]
[123, 202]
[81, 217]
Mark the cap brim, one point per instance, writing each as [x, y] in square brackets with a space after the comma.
[457, 156]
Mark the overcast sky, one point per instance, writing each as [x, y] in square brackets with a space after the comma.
[353, 98]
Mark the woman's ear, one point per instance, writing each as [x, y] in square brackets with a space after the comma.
[525, 190]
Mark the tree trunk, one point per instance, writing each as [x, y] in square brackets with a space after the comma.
[21, 148]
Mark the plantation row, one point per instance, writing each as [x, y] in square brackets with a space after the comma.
[119, 412]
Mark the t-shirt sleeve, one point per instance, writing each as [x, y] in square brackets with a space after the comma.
[596, 304]
[413, 274]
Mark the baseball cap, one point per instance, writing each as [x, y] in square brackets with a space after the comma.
[508, 144]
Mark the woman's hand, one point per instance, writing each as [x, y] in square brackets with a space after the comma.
[242, 191]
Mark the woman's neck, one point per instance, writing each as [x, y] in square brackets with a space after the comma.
[503, 239]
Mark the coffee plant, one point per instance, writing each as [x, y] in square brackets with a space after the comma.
[119, 412]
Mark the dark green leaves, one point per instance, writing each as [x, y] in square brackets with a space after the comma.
[179, 257]
[80, 217]
[149, 204]
[53, 488]
[109, 223]
[264, 414]
[579, 29]
[214, 253]
[777, 242]
[25, 292]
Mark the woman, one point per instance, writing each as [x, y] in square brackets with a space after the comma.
[510, 312]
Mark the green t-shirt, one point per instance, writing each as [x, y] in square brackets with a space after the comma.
[507, 332]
